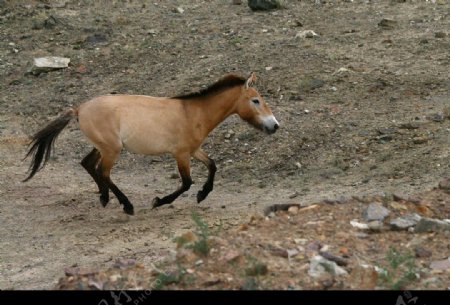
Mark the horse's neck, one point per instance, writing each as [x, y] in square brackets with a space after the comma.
[216, 109]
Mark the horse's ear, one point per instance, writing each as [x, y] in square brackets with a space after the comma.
[251, 80]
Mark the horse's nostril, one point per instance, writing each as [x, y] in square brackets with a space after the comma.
[276, 126]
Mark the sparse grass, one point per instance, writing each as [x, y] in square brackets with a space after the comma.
[401, 270]
[201, 246]
[178, 277]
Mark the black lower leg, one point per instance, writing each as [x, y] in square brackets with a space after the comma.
[127, 206]
[187, 182]
[209, 184]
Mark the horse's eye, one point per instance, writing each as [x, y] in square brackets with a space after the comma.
[255, 101]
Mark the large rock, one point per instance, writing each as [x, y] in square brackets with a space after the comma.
[431, 225]
[264, 5]
[320, 266]
[375, 211]
[405, 222]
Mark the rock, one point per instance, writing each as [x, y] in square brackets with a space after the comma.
[306, 34]
[293, 210]
[337, 259]
[293, 195]
[375, 225]
[264, 5]
[387, 24]
[445, 184]
[431, 225]
[123, 263]
[420, 140]
[300, 241]
[405, 222]
[45, 64]
[71, 271]
[422, 252]
[320, 266]
[96, 39]
[359, 225]
[409, 125]
[441, 265]
[437, 117]
[310, 84]
[446, 112]
[375, 211]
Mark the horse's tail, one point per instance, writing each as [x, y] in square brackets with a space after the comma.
[42, 142]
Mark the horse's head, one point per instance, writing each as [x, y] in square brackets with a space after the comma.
[252, 108]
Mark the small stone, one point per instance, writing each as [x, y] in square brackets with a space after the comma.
[359, 225]
[264, 5]
[375, 211]
[306, 34]
[180, 10]
[293, 210]
[45, 64]
[405, 222]
[445, 184]
[375, 225]
[441, 265]
[300, 241]
[231, 256]
[337, 259]
[293, 195]
[420, 140]
[431, 225]
[387, 24]
[422, 252]
[446, 112]
[437, 117]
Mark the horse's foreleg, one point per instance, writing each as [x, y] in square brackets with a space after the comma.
[184, 168]
[210, 164]
[108, 158]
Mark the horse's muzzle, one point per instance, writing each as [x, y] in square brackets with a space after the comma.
[270, 124]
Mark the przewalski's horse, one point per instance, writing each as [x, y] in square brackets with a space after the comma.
[154, 126]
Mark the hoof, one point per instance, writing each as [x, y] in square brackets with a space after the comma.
[129, 210]
[104, 200]
[201, 196]
[156, 202]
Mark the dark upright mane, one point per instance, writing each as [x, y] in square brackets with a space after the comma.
[224, 83]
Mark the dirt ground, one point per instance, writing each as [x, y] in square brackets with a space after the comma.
[363, 108]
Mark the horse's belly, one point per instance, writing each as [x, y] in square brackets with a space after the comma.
[147, 146]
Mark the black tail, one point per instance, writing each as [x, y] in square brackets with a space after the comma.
[42, 142]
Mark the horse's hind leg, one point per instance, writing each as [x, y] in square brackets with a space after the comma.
[90, 163]
[108, 158]
[183, 161]
[210, 164]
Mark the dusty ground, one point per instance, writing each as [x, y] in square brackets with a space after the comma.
[363, 108]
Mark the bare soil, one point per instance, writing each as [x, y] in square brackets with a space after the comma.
[364, 111]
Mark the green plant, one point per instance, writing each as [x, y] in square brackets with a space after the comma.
[201, 245]
[401, 269]
[166, 278]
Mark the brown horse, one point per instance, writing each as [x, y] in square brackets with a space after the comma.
[154, 126]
